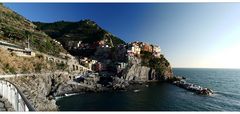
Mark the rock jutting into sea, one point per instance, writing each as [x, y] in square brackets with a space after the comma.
[181, 82]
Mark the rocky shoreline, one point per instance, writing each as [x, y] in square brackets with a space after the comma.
[124, 85]
[45, 89]
[132, 87]
[101, 85]
[96, 83]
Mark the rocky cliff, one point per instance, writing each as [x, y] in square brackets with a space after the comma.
[137, 71]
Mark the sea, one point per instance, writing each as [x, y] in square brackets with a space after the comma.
[166, 97]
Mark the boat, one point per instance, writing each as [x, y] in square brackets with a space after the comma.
[136, 90]
[70, 94]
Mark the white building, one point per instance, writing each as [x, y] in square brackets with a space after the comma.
[88, 62]
[156, 51]
[133, 49]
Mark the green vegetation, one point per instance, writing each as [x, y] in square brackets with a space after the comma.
[146, 56]
[117, 41]
[159, 64]
[84, 30]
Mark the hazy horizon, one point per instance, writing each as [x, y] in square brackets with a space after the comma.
[204, 68]
[202, 35]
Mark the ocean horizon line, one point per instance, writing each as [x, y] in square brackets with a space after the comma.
[203, 68]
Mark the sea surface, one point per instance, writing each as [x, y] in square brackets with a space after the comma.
[166, 97]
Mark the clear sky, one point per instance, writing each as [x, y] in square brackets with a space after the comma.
[205, 35]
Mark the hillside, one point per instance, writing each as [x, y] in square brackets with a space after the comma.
[86, 30]
[70, 33]
[10, 63]
[16, 29]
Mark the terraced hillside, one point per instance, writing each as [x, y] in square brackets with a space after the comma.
[16, 29]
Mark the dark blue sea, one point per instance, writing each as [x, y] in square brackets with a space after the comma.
[166, 97]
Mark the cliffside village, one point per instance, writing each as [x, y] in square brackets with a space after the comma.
[129, 51]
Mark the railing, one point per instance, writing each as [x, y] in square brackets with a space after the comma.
[31, 74]
[9, 91]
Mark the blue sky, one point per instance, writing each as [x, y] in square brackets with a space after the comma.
[205, 35]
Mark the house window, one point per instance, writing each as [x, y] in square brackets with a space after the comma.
[73, 67]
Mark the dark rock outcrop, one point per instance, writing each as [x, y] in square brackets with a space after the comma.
[181, 82]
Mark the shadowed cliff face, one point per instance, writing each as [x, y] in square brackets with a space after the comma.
[149, 70]
[143, 73]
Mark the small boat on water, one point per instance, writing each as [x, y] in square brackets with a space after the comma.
[136, 90]
[70, 94]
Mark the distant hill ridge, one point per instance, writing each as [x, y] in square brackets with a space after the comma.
[86, 31]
